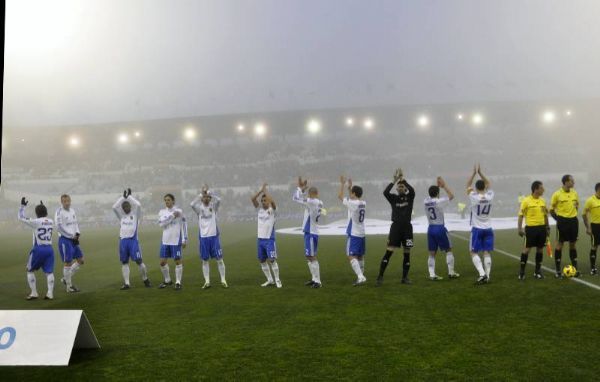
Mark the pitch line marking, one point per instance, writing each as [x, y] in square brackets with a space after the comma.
[547, 269]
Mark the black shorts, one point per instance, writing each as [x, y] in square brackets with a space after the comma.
[535, 236]
[595, 234]
[567, 229]
[401, 235]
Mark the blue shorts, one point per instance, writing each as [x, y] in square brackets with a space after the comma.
[41, 256]
[482, 240]
[210, 248]
[267, 250]
[129, 249]
[170, 252]
[311, 243]
[437, 237]
[68, 250]
[355, 246]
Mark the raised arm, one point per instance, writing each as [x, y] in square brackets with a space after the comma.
[299, 196]
[136, 205]
[117, 209]
[485, 180]
[387, 193]
[271, 201]
[195, 204]
[442, 183]
[22, 216]
[255, 197]
[342, 184]
[469, 186]
[411, 191]
[215, 200]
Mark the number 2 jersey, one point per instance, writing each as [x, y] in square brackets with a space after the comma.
[356, 217]
[42, 228]
[434, 209]
[312, 211]
[481, 205]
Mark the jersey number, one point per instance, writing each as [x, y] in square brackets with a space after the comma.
[361, 216]
[44, 234]
[485, 210]
[432, 214]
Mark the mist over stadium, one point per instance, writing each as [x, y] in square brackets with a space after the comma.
[168, 97]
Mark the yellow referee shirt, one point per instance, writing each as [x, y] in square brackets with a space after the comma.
[564, 203]
[592, 205]
[534, 211]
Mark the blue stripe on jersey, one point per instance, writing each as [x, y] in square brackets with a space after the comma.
[307, 225]
[349, 228]
[273, 232]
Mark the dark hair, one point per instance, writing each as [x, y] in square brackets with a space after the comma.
[64, 196]
[41, 211]
[480, 185]
[170, 196]
[357, 190]
[535, 185]
[434, 191]
[565, 178]
[125, 202]
[597, 187]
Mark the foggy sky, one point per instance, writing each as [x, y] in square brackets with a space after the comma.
[78, 62]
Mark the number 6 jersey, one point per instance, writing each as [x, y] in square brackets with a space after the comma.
[356, 217]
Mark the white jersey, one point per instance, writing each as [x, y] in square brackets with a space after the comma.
[130, 221]
[481, 205]
[266, 223]
[434, 209]
[174, 228]
[356, 217]
[207, 215]
[42, 228]
[312, 211]
[66, 222]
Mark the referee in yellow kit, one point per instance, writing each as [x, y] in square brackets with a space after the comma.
[563, 208]
[533, 210]
[591, 208]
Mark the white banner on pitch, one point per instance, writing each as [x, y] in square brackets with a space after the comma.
[43, 337]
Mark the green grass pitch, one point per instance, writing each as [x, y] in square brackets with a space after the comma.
[448, 330]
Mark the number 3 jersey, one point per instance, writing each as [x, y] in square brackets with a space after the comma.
[434, 209]
[42, 228]
[481, 205]
[356, 217]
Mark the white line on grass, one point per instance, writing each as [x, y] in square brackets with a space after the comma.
[547, 269]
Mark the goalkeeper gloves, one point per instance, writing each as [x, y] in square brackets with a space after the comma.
[24, 201]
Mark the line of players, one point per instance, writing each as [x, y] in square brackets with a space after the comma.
[532, 211]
